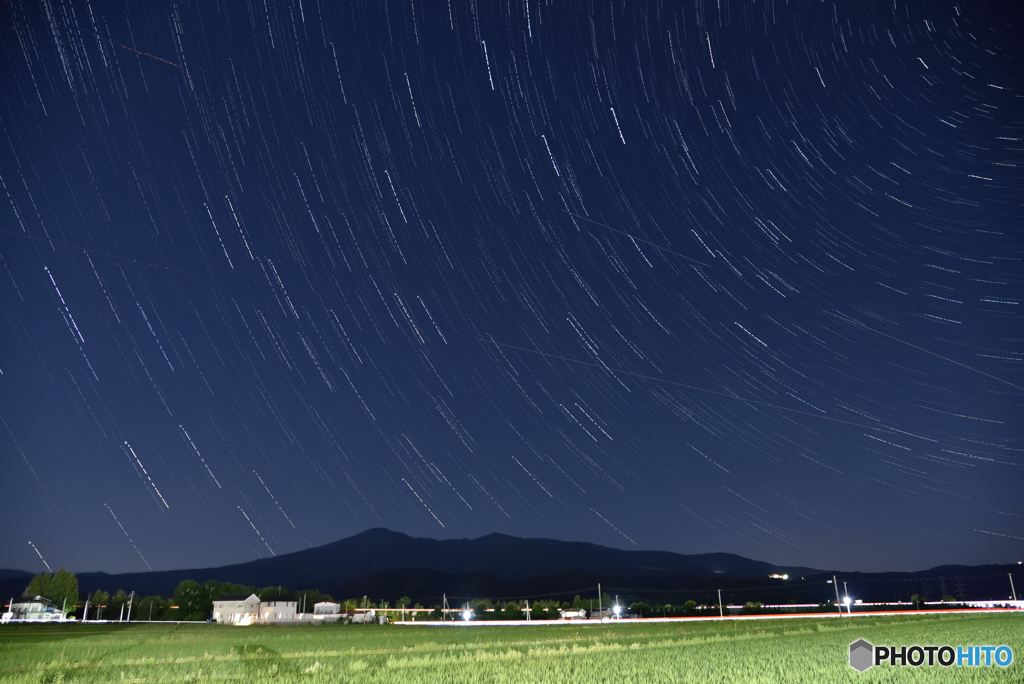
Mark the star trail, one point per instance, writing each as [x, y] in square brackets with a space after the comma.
[695, 276]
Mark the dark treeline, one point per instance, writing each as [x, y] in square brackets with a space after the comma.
[194, 602]
[191, 601]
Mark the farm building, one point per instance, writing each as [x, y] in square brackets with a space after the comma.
[277, 609]
[326, 608]
[239, 609]
[35, 608]
[235, 608]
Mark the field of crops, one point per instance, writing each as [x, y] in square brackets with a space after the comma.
[794, 650]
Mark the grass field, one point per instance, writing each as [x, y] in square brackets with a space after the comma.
[795, 650]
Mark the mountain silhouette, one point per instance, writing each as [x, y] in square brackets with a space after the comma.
[383, 563]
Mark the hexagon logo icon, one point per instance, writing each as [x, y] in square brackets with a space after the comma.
[862, 655]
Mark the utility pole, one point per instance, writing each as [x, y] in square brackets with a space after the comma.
[846, 595]
[838, 604]
[600, 608]
[721, 611]
[1011, 586]
[130, 599]
[527, 610]
[85, 612]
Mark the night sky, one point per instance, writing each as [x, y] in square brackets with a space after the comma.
[696, 276]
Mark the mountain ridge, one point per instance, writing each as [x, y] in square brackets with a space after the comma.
[382, 561]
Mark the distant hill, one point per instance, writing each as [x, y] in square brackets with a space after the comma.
[491, 562]
[385, 564]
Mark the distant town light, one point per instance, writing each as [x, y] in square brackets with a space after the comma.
[778, 576]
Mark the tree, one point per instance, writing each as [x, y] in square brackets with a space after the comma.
[215, 589]
[513, 611]
[641, 608]
[403, 603]
[948, 599]
[61, 588]
[549, 608]
[480, 607]
[99, 599]
[40, 585]
[191, 600]
[151, 607]
[689, 606]
[274, 592]
[65, 589]
[577, 603]
[917, 600]
[117, 603]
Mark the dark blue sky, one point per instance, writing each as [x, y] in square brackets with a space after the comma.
[698, 276]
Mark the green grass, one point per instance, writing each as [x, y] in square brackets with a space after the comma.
[793, 650]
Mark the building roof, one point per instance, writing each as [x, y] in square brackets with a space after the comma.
[278, 599]
[36, 598]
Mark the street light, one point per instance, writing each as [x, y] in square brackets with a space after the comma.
[467, 615]
[617, 610]
[846, 600]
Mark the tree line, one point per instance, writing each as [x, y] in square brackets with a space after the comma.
[190, 600]
[194, 601]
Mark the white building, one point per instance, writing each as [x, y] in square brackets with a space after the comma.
[34, 608]
[277, 609]
[360, 616]
[236, 608]
[326, 608]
